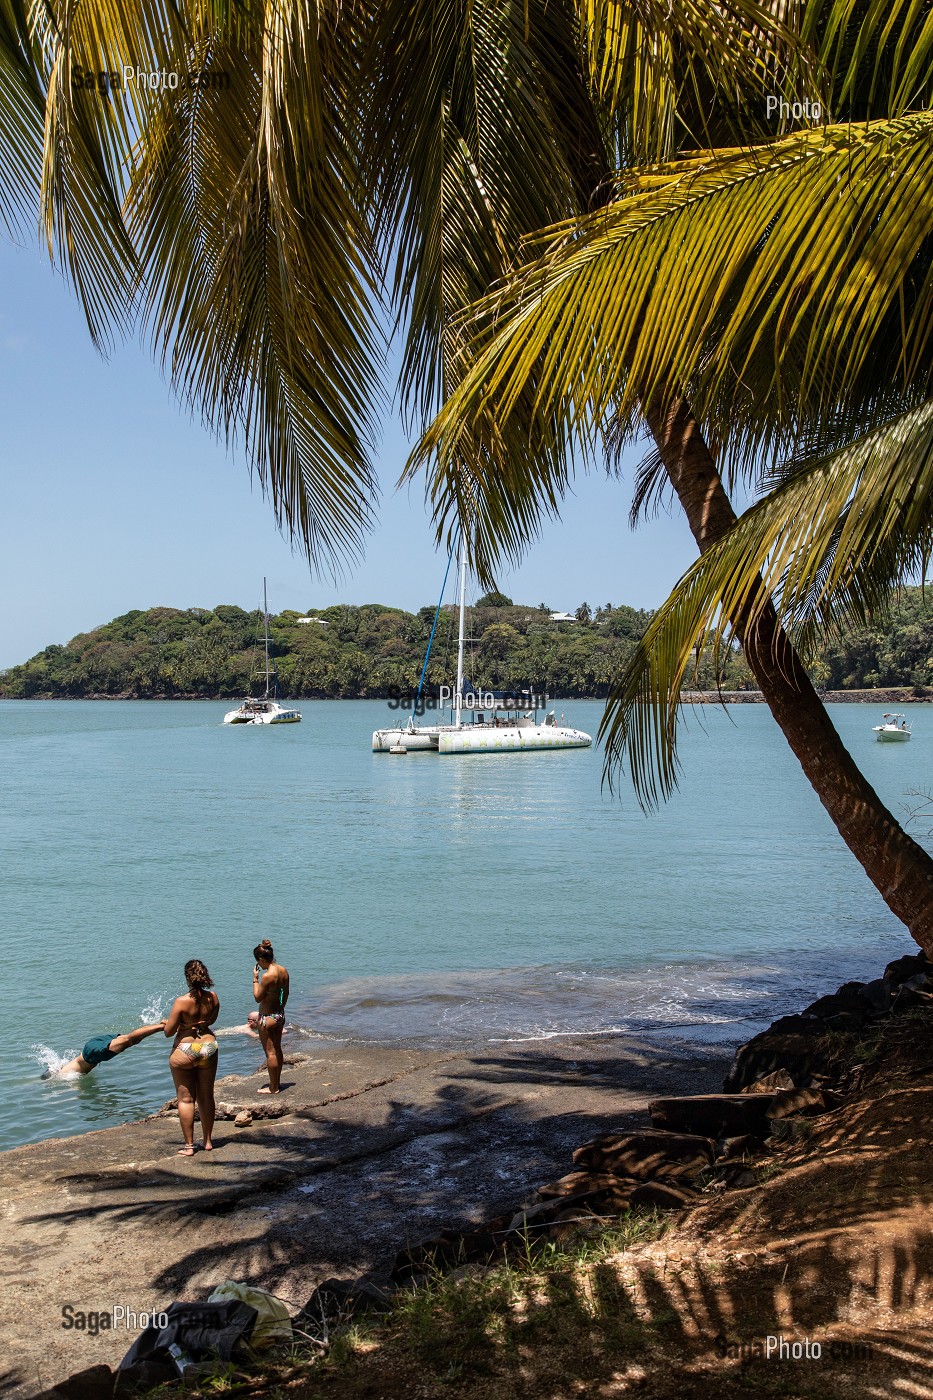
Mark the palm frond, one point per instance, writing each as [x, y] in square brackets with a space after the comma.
[826, 546]
[879, 57]
[829, 239]
[22, 106]
[257, 288]
[467, 157]
[676, 75]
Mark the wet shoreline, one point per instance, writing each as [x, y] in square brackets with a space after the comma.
[374, 1150]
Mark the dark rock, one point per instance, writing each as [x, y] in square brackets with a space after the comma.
[771, 1083]
[734, 1148]
[916, 991]
[792, 1043]
[738, 1178]
[905, 969]
[444, 1253]
[574, 1227]
[570, 1185]
[452, 1248]
[95, 1383]
[662, 1195]
[714, 1115]
[582, 1183]
[799, 1102]
[845, 1009]
[486, 1242]
[536, 1217]
[346, 1297]
[647, 1155]
[877, 994]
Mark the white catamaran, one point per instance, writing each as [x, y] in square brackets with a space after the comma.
[266, 710]
[499, 722]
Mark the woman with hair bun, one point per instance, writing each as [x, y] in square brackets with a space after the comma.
[270, 990]
[193, 1060]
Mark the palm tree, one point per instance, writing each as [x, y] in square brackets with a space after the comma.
[779, 294]
[310, 156]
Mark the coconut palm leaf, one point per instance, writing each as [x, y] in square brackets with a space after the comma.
[257, 292]
[826, 546]
[483, 129]
[21, 119]
[468, 150]
[691, 75]
[223, 208]
[878, 56]
[93, 117]
[828, 243]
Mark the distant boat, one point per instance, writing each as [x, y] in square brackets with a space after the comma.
[893, 730]
[512, 724]
[267, 709]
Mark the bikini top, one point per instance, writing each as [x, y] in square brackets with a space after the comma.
[189, 1025]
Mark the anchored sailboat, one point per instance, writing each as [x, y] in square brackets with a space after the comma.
[266, 710]
[499, 722]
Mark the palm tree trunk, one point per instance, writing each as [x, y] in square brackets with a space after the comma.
[899, 868]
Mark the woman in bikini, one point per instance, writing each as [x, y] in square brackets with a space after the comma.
[193, 1060]
[270, 990]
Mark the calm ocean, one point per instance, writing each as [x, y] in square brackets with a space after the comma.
[443, 900]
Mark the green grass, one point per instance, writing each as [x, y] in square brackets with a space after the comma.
[460, 1325]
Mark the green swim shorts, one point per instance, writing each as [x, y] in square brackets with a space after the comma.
[97, 1050]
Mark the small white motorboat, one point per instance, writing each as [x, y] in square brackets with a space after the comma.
[893, 729]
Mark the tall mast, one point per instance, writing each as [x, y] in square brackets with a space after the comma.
[265, 621]
[459, 699]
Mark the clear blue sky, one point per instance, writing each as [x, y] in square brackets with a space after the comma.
[114, 499]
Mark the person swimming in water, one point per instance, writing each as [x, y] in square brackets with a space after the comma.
[270, 990]
[103, 1047]
[193, 1060]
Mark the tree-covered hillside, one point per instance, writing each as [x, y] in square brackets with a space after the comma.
[341, 652]
[378, 651]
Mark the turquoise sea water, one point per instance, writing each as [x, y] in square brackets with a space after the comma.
[446, 899]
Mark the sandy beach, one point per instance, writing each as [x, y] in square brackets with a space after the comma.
[376, 1149]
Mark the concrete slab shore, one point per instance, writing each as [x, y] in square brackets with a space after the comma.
[377, 1149]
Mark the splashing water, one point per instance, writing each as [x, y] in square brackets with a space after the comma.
[152, 1010]
[52, 1062]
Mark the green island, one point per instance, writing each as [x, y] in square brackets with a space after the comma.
[374, 651]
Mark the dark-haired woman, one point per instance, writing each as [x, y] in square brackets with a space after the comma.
[270, 990]
[193, 1060]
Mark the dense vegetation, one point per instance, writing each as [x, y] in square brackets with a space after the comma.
[378, 651]
[342, 652]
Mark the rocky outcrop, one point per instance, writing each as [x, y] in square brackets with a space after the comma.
[696, 1143]
[792, 1044]
[646, 1154]
[714, 1115]
[798, 1046]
